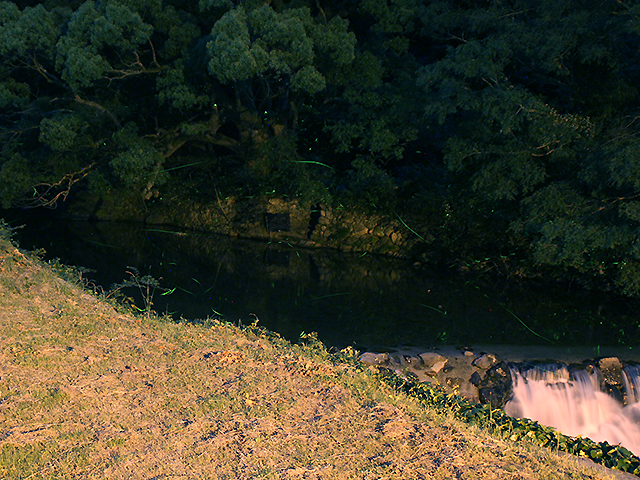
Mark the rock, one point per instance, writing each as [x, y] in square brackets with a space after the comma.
[359, 230]
[475, 379]
[496, 388]
[431, 362]
[611, 369]
[485, 361]
[378, 231]
[415, 363]
[369, 358]
[431, 358]
[438, 366]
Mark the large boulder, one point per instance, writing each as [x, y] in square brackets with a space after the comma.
[495, 387]
[612, 376]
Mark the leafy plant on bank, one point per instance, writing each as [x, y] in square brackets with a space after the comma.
[514, 429]
[146, 285]
[498, 422]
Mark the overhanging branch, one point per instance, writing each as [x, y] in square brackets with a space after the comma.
[97, 106]
[59, 189]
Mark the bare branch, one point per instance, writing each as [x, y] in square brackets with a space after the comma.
[321, 11]
[135, 68]
[90, 103]
[153, 53]
[40, 199]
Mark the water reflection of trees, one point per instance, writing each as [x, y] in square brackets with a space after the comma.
[364, 297]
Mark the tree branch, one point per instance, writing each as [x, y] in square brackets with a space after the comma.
[66, 182]
[90, 103]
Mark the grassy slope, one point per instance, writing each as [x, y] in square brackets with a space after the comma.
[87, 391]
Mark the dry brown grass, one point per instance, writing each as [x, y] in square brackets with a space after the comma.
[87, 391]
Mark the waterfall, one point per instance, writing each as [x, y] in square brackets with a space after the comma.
[632, 383]
[574, 404]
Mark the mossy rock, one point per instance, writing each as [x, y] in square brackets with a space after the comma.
[341, 233]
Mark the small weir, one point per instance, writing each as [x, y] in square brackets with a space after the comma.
[580, 402]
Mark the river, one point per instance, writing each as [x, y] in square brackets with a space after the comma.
[363, 301]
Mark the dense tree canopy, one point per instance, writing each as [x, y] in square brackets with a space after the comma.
[519, 118]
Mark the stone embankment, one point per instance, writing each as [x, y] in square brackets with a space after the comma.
[451, 368]
[268, 218]
[484, 377]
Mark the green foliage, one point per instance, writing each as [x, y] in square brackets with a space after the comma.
[173, 89]
[80, 75]
[514, 429]
[370, 185]
[277, 48]
[13, 95]
[60, 133]
[308, 79]
[34, 30]
[393, 16]
[99, 42]
[137, 164]
[145, 285]
[207, 4]
[520, 118]
[278, 170]
[234, 58]
[15, 178]
[383, 106]
[507, 97]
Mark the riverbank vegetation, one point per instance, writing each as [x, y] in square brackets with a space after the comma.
[90, 389]
[506, 130]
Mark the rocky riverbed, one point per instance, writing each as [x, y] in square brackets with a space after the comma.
[482, 374]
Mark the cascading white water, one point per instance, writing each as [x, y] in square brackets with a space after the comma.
[574, 404]
[632, 383]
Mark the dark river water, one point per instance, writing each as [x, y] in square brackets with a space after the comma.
[364, 301]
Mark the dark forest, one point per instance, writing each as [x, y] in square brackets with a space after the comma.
[511, 127]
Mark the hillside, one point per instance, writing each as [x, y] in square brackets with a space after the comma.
[89, 390]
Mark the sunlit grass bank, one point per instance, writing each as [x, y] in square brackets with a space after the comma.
[89, 390]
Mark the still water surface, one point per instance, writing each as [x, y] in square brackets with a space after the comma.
[364, 301]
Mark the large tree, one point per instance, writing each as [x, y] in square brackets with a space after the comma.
[535, 105]
[113, 90]
[516, 121]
